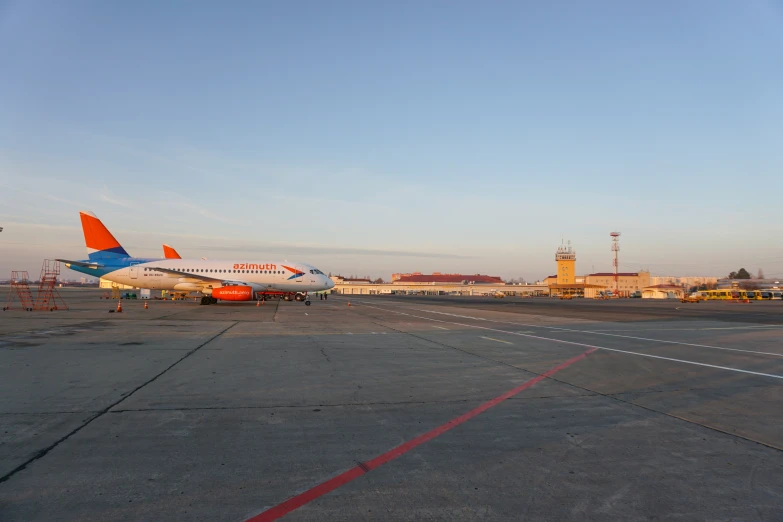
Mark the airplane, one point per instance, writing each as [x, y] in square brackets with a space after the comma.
[169, 252]
[227, 280]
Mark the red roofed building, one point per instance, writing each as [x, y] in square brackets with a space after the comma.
[438, 278]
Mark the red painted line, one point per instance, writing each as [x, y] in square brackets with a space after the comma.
[333, 483]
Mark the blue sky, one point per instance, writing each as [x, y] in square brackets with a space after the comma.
[370, 138]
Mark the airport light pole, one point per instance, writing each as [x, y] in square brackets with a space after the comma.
[616, 250]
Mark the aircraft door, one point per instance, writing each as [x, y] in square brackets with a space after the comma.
[134, 272]
[305, 277]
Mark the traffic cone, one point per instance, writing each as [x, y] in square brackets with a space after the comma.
[119, 306]
[349, 303]
[258, 303]
[146, 305]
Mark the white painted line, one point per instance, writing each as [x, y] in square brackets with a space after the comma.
[755, 327]
[591, 332]
[763, 326]
[496, 340]
[586, 345]
[436, 326]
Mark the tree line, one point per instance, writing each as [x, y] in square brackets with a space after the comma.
[744, 274]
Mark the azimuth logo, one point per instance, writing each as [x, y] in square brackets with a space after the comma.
[296, 273]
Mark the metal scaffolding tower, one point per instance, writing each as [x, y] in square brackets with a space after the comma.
[20, 289]
[48, 297]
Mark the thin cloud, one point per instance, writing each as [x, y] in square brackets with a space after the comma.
[328, 250]
[50, 197]
[43, 226]
[176, 201]
[109, 197]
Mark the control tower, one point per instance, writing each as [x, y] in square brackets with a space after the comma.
[566, 265]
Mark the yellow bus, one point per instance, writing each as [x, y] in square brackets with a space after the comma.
[719, 294]
[739, 294]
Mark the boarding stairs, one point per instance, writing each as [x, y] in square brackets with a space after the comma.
[20, 291]
[48, 297]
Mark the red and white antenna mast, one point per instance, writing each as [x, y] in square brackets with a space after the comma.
[615, 249]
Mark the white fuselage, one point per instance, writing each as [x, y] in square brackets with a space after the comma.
[203, 275]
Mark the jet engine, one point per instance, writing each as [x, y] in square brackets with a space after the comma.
[233, 293]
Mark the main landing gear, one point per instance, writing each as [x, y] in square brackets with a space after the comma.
[208, 300]
[299, 296]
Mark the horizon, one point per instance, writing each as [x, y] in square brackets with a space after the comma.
[375, 139]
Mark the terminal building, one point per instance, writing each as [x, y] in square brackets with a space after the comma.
[751, 284]
[437, 284]
[688, 281]
[438, 278]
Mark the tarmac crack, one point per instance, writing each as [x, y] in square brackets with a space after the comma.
[48, 412]
[337, 405]
[595, 392]
[45, 451]
[677, 390]
[178, 312]
[453, 347]
[277, 307]
[670, 415]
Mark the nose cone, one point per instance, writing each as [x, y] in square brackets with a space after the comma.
[329, 284]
